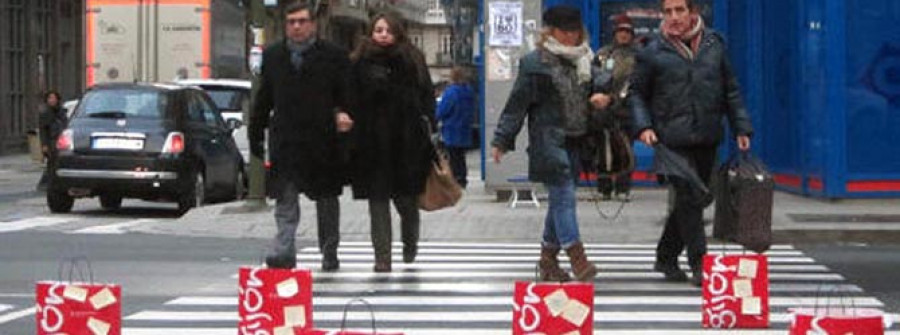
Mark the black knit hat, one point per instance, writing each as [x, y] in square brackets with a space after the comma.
[563, 17]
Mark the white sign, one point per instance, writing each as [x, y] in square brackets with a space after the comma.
[506, 24]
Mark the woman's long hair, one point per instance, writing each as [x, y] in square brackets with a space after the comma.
[402, 44]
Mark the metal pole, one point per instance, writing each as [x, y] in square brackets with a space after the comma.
[256, 193]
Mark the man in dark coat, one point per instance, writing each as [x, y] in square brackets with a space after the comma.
[303, 82]
[682, 87]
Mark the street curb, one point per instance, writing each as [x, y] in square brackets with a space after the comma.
[829, 235]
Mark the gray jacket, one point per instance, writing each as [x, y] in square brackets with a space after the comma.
[535, 96]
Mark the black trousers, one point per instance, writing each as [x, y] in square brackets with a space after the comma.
[458, 164]
[684, 225]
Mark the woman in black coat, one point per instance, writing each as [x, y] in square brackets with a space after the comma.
[393, 110]
[53, 121]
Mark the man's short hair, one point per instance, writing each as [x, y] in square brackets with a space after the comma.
[297, 6]
[689, 3]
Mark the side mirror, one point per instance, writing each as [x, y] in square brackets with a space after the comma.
[234, 124]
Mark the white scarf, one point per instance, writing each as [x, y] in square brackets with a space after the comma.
[580, 55]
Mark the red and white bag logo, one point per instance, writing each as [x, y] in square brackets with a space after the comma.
[78, 308]
[274, 301]
[553, 308]
[735, 291]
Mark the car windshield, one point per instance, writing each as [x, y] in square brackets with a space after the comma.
[123, 103]
[226, 99]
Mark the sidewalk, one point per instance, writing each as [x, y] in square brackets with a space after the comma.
[480, 217]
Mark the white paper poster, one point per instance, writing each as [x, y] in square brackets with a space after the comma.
[506, 24]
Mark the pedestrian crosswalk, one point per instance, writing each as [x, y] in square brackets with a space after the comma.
[466, 288]
[75, 224]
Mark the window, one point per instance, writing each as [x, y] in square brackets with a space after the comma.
[446, 43]
[123, 103]
[417, 41]
[210, 113]
[195, 108]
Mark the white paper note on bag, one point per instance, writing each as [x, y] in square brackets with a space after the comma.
[103, 298]
[284, 331]
[98, 327]
[288, 288]
[742, 288]
[75, 293]
[556, 301]
[747, 268]
[576, 312]
[295, 316]
[574, 332]
[751, 306]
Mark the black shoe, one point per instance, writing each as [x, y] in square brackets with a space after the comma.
[330, 263]
[281, 261]
[409, 253]
[671, 272]
[697, 277]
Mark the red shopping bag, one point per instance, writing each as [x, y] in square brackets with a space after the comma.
[841, 321]
[553, 308]
[735, 291]
[274, 301]
[67, 307]
[343, 330]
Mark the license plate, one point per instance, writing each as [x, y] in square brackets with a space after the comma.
[118, 143]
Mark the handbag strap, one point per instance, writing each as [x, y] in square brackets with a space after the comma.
[84, 274]
[364, 303]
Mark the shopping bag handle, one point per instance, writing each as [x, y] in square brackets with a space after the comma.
[71, 264]
[364, 303]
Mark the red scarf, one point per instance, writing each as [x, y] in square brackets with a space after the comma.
[681, 40]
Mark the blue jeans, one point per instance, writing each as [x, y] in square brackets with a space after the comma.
[561, 224]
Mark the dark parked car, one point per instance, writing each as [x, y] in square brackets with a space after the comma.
[146, 141]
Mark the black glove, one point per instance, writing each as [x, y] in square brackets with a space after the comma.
[257, 149]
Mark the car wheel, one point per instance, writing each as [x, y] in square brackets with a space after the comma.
[110, 202]
[195, 195]
[240, 185]
[59, 201]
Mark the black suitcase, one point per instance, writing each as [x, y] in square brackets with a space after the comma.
[744, 199]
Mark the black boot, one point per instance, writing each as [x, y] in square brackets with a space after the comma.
[409, 252]
[670, 271]
[697, 277]
[330, 262]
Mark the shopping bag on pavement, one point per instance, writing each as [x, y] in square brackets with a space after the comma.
[855, 321]
[842, 319]
[274, 301]
[744, 199]
[735, 291]
[553, 308]
[78, 307]
[343, 330]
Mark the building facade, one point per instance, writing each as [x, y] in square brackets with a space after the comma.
[40, 50]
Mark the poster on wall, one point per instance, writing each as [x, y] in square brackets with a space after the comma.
[506, 24]
[645, 15]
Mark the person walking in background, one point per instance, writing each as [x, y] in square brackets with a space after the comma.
[304, 79]
[551, 91]
[613, 66]
[52, 121]
[682, 87]
[455, 114]
[392, 153]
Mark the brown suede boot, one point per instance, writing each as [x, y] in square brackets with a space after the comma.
[583, 270]
[549, 266]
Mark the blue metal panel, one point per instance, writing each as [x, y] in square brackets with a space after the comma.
[873, 89]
